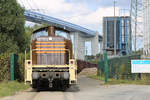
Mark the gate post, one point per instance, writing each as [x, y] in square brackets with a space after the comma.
[105, 67]
[12, 63]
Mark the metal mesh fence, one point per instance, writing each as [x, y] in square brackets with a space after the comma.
[119, 67]
[5, 73]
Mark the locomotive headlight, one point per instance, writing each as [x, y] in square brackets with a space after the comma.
[35, 75]
[71, 62]
[66, 75]
[50, 38]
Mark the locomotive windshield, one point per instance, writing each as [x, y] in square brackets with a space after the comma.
[44, 32]
[40, 33]
[61, 33]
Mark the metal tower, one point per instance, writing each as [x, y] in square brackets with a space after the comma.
[136, 22]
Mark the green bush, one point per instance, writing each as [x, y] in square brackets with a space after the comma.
[4, 67]
[21, 61]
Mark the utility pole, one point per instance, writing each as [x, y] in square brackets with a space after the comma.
[131, 9]
[115, 7]
[115, 27]
[135, 23]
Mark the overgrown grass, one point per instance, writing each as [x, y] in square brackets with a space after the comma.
[10, 88]
[120, 81]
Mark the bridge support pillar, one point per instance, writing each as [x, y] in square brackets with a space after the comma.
[78, 40]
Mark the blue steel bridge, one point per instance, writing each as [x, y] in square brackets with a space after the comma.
[41, 18]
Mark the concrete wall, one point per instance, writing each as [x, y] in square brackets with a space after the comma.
[79, 40]
[101, 47]
[79, 46]
[95, 45]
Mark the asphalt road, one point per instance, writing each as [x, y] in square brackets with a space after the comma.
[88, 89]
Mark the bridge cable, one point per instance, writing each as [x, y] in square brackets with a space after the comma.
[21, 3]
[38, 9]
[30, 7]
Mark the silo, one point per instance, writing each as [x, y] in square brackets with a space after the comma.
[117, 35]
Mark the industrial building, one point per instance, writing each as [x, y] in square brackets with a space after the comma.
[146, 24]
[117, 35]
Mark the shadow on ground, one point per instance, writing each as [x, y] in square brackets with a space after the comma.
[73, 88]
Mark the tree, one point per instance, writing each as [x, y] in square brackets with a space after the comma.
[12, 22]
[7, 45]
[28, 32]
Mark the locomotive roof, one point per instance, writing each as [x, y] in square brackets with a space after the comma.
[46, 27]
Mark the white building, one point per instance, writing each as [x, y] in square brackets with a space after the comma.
[146, 26]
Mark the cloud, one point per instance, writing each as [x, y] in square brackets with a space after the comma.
[123, 4]
[94, 19]
[55, 6]
[87, 13]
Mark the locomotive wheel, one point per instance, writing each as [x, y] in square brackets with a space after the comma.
[64, 84]
[34, 84]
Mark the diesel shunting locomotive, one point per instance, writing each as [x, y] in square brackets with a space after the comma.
[51, 61]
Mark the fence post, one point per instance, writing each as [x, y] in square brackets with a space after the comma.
[98, 68]
[12, 63]
[105, 67]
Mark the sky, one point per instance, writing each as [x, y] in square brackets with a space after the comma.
[86, 13]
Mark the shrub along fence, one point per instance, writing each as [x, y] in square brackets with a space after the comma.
[7, 62]
[119, 67]
[4, 67]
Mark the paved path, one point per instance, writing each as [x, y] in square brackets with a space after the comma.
[88, 89]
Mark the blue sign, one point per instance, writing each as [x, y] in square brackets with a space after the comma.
[140, 61]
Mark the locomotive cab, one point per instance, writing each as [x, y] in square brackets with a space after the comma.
[51, 62]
